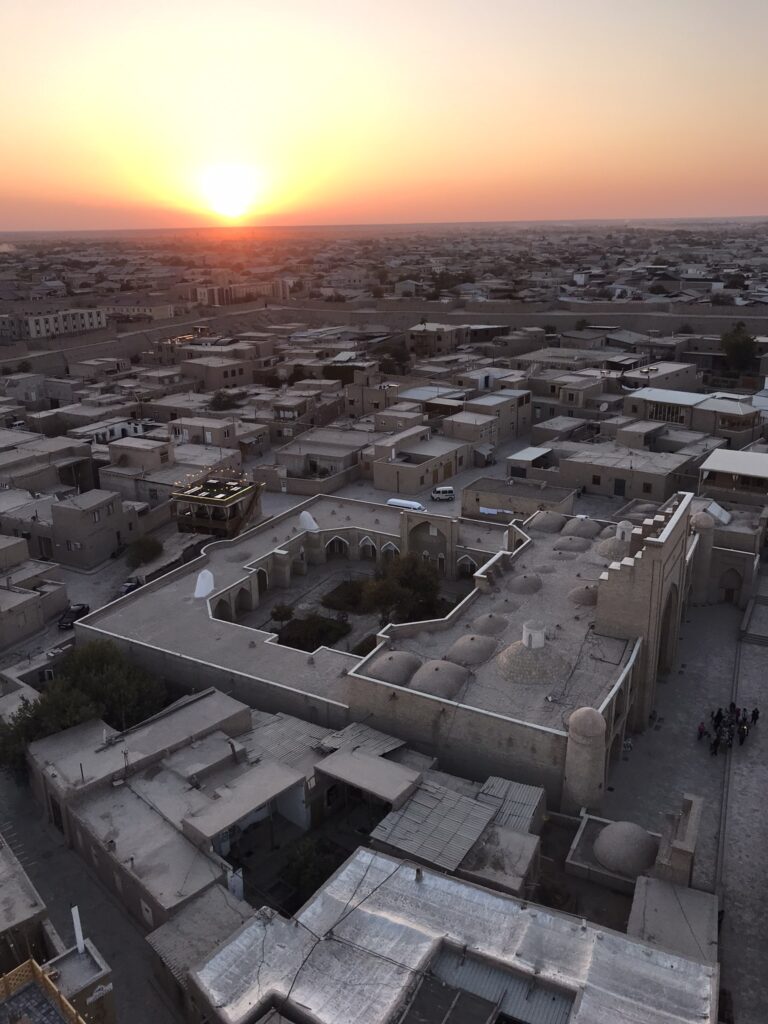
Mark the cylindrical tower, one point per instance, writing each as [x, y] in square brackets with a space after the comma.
[584, 781]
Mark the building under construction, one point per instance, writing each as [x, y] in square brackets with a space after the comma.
[218, 507]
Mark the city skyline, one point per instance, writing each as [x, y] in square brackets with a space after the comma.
[180, 116]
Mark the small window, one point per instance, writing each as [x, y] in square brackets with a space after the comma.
[96, 516]
[595, 481]
[110, 508]
[146, 913]
[647, 488]
[153, 493]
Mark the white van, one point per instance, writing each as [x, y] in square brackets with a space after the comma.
[414, 506]
[443, 494]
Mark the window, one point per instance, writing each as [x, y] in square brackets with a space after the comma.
[633, 407]
[647, 488]
[163, 456]
[595, 481]
[153, 493]
[96, 515]
[110, 508]
[552, 389]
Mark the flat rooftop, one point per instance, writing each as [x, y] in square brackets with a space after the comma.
[191, 631]
[549, 582]
[356, 949]
[19, 900]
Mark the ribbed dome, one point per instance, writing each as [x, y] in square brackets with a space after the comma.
[587, 723]
[581, 528]
[526, 584]
[572, 544]
[440, 678]
[490, 624]
[394, 667]
[547, 522]
[537, 666]
[625, 848]
[471, 649]
[585, 595]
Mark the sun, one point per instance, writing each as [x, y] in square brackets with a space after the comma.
[230, 190]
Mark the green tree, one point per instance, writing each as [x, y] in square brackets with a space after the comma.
[142, 550]
[407, 589]
[94, 681]
[221, 401]
[582, 325]
[24, 366]
[739, 347]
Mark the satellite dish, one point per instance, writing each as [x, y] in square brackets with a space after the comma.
[308, 522]
[204, 585]
[604, 407]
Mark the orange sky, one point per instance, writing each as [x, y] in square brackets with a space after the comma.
[358, 112]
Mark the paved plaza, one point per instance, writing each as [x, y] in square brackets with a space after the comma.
[667, 761]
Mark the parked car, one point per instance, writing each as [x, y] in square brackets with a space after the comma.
[72, 614]
[129, 586]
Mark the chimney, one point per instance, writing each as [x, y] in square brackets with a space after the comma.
[78, 930]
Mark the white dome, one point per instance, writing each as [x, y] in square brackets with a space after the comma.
[526, 584]
[547, 522]
[625, 848]
[394, 667]
[613, 548]
[440, 678]
[471, 649]
[581, 528]
[572, 544]
[490, 624]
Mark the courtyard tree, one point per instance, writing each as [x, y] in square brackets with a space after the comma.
[142, 550]
[406, 589]
[739, 347]
[282, 613]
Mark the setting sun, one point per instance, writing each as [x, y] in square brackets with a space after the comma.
[230, 190]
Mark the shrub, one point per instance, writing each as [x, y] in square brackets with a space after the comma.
[346, 597]
[143, 550]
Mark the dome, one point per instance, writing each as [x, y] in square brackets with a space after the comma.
[702, 521]
[544, 569]
[440, 678]
[526, 584]
[394, 667]
[581, 528]
[537, 666]
[609, 531]
[572, 544]
[490, 624]
[547, 522]
[647, 508]
[471, 649]
[625, 848]
[585, 595]
[613, 548]
[587, 723]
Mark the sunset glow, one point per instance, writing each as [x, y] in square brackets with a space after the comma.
[229, 190]
[459, 111]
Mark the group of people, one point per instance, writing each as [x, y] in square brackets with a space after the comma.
[725, 726]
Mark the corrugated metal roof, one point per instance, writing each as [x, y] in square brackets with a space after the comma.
[361, 737]
[281, 737]
[521, 998]
[436, 824]
[516, 804]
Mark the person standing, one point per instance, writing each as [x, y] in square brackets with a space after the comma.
[755, 716]
[743, 732]
[718, 718]
[701, 732]
[714, 744]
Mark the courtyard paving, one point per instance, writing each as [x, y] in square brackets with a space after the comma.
[667, 761]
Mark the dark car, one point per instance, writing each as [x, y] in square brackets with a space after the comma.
[72, 614]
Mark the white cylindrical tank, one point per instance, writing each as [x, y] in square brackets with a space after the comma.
[534, 634]
[584, 782]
